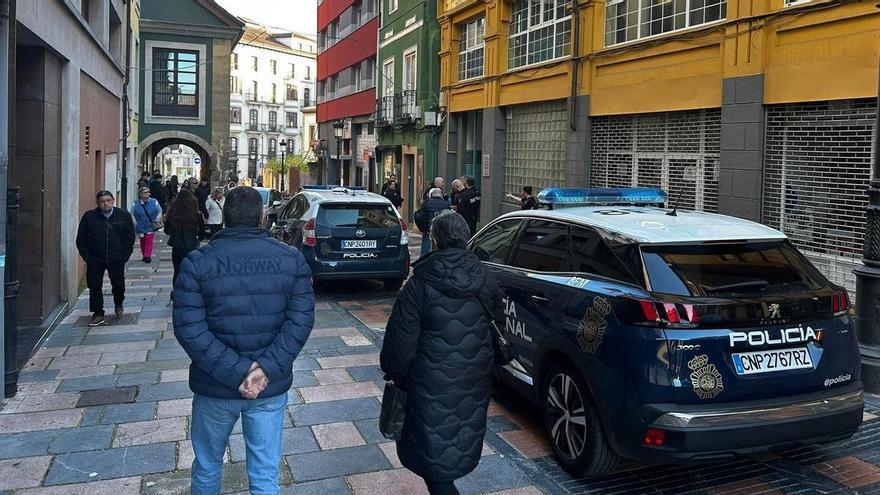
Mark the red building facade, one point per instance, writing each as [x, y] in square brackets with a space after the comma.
[346, 86]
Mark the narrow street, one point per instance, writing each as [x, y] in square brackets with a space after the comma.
[105, 411]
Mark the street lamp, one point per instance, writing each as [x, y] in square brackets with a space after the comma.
[338, 126]
[868, 275]
[283, 145]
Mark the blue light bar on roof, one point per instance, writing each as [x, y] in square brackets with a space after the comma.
[326, 187]
[562, 196]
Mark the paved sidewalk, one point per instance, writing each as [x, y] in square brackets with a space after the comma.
[105, 411]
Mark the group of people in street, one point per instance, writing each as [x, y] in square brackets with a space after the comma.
[243, 308]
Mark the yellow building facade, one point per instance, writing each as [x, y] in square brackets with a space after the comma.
[762, 109]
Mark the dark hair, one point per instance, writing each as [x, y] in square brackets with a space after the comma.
[145, 173]
[527, 190]
[470, 181]
[184, 211]
[450, 230]
[243, 207]
[103, 193]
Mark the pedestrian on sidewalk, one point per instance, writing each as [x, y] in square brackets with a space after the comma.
[184, 224]
[457, 187]
[105, 241]
[393, 194]
[214, 207]
[243, 309]
[526, 199]
[469, 204]
[439, 183]
[147, 213]
[426, 214]
[438, 349]
[158, 191]
[203, 192]
[145, 180]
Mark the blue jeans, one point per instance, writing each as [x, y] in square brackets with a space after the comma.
[261, 422]
[426, 245]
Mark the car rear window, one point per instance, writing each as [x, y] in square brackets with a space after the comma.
[357, 216]
[718, 270]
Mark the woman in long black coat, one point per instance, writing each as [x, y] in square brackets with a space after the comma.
[438, 348]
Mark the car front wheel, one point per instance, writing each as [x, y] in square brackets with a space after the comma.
[573, 424]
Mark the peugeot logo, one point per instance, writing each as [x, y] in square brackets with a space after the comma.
[773, 309]
[361, 233]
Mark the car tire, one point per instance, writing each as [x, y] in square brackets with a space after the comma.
[581, 449]
[393, 283]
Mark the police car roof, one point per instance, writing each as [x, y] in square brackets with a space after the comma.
[652, 225]
[345, 196]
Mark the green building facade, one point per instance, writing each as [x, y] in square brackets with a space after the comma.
[184, 55]
[408, 92]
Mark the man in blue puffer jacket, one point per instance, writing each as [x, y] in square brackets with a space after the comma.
[243, 309]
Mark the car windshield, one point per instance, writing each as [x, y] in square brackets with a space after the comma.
[736, 269]
[265, 194]
[357, 216]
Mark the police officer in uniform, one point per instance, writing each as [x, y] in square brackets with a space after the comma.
[469, 204]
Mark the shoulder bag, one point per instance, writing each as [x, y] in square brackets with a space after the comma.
[393, 411]
[500, 344]
[157, 223]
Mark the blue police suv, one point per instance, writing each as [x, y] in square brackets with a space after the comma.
[658, 334]
[345, 233]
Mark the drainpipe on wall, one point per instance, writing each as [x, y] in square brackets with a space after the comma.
[575, 54]
[7, 16]
[126, 124]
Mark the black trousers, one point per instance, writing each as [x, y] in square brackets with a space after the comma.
[177, 256]
[441, 488]
[95, 280]
[214, 228]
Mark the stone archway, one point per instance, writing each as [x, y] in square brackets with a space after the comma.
[209, 156]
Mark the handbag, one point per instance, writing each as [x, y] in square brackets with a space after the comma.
[157, 223]
[500, 345]
[393, 411]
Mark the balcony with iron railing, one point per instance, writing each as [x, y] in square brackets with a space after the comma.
[385, 111]
[406, 106]
[271, 100]
[252, 127]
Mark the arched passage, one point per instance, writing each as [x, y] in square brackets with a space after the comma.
[153, 145]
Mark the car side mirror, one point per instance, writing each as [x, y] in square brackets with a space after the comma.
[276, 203]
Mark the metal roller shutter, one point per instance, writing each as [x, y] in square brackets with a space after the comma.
[817, 165]
[677, 151]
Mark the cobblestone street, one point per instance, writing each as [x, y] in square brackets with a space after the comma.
[105, 411]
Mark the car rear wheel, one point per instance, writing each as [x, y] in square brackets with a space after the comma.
[573, 424]
[393, 283]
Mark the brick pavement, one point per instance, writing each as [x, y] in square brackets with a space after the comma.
[106, 411]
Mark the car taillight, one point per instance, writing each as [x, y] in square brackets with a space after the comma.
[309, 238]
[404, 236]
[654, 438]
[670, 314]
[840, 302]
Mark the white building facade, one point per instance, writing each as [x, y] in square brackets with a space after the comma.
[272, 81]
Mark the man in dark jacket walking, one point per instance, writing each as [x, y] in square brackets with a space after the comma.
[158, 191]
[469, 204]
[430, 209]
[203, 192]
[243, 309]
[105, 241]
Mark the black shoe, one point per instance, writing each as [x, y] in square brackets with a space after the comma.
[97, 320]
[144, 259]
[148, 259]
[119, 310]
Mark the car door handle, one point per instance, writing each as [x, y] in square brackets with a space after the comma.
[540, 299]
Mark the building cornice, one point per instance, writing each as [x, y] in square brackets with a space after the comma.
[179, 29]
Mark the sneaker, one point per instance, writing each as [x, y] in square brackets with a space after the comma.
[148, 259]
[119, 310]
[97, 320]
